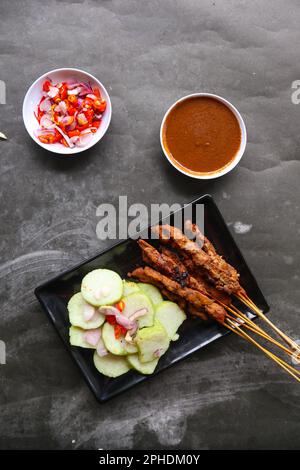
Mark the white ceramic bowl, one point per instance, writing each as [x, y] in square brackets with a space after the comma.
[34, 94]
[227, 168]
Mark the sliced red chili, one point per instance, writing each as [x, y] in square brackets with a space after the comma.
[111, 319]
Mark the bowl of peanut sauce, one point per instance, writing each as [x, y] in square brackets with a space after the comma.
[203, 136]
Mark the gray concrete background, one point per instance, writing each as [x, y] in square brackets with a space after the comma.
[148, 53]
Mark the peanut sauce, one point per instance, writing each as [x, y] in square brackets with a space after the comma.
[201, 134]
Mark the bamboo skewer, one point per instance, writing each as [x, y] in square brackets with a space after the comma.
[292, 369]
[250, 304]
[247, 323]
[262, 334]
[232, 318]
[279, 361]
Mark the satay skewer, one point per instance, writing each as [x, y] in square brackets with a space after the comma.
[169, 264]
[237, 290]
[293, 372]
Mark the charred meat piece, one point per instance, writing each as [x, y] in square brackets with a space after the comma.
[211, 290]
[164, 263]
[217, 260]
[213, 266]
[168, 262]
[193, 297]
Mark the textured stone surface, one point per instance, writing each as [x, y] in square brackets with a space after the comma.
[148, 54]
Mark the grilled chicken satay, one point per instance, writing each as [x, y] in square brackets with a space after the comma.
[212, 291]
[163, 263]
[210, 250]
[169, 263]
[223, 275]
[203, 285]
[193, 297]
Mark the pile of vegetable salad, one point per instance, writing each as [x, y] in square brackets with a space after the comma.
[127, 324]
[69, 113]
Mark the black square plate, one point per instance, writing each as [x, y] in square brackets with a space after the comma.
[123, 257]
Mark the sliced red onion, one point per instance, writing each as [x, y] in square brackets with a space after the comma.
[120, 319]
[89, 130]
[72, 85]
[91, 96]
[139, 313]
[101, 349]
[45, 131]
[92, 336]
[75, 91]
[46, 122]
[88, 312]
[67, 138]
[86, 89]
[124, 321]
[45, 105]
[53, 91]
[98, 116]
[61, 107]
[67, 120]
[109, 310]
[74, 139]
[84, 140]
[157, 353]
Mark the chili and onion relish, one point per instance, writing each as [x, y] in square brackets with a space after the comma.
[69, 113]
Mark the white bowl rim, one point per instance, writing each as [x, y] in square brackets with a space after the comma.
[72, 151]
[235, 160]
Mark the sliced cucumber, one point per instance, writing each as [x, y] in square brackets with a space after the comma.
[110, 365]
[115, 346]
[77, 338]
[102, 287]
[76, 307]
[135, 302]
[130, 347]
[152, 292]
[129, 287]
[152, 342]
[170, 315]
[144, 368]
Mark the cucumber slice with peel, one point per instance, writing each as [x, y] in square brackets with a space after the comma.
[130, 348]
[130, 287]
[111, 365]
[113, 345]
[102, 287]
[152, 292]
[171, 316]
[77, 338]
[120, 347]
[144, 368]
[152, 342]
[76, 308]
[138, 301]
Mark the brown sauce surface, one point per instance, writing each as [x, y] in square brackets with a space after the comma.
[202, 134]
